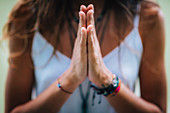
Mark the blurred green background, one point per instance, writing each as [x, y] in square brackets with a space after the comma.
[5, 8]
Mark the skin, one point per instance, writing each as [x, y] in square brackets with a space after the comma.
[153, 84]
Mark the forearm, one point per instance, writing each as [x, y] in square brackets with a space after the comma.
[127, 102]
[51, 100]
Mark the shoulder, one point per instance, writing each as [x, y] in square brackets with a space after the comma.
[151, 25]
[150, 15]
[18, 31]
[150, 7]
[20, 51]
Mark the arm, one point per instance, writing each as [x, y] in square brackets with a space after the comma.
[20, 79]
[152, 71]
[19, 86]
[153, 83]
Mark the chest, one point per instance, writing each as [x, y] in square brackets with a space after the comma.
[106, 34]
[124, 61]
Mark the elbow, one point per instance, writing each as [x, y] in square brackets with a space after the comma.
[161, 109]
[158, 110]
[18, 109]
[15, 110]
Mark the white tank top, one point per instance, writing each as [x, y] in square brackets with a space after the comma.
[125, 65]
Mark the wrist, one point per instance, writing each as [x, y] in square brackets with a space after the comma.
[110, 90]
[75, 77]
[68, 81]
[105, 79]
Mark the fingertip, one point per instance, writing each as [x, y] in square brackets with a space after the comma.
[90, 28]
[90, 6]
[83, 30]
[83, 8]
[81, 14]
[90, 12]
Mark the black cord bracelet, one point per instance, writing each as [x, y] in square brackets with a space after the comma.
[59, 85]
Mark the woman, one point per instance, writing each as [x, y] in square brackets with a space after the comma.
[120, 39]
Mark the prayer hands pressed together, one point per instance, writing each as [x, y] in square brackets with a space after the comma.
[87, 58]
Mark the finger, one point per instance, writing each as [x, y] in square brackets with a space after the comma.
[90, 35]
[83, 39]
[94, 33]
[90, 7]
[94, 37]
[90, 17]
[82, 18]
[82, 22]
[83, 8]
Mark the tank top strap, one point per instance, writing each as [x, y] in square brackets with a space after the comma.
[36, 27]
[137, 17]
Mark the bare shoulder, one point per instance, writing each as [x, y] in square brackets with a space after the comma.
[151, 22]
[20, 50]
[150, 11]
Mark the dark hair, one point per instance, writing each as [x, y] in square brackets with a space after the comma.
[49, 15]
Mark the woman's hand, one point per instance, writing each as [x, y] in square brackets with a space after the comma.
[98, 72]
[77, 72]
[79, 58]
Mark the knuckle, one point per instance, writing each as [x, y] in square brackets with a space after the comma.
[96, 56]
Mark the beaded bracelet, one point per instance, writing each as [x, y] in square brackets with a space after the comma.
[59, 85]
[111, 90]
[116, 91]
